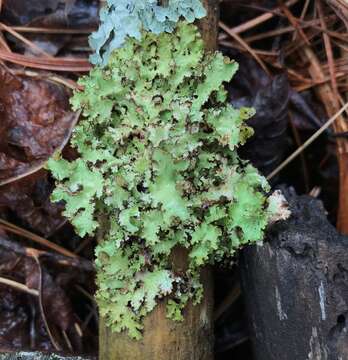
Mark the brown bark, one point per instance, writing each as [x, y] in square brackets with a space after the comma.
[209, 25]
[165, 339]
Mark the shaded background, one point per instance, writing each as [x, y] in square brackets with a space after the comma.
[293, 60]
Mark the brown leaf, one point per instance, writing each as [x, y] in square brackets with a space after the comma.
[29, 200]
[52, 13]
[35, 121]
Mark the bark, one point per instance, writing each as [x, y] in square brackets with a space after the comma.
[296, 288]
[209, 25]
[165, 339]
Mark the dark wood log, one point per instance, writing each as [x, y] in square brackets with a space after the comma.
[296, 288]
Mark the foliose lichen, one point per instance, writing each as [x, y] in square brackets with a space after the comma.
[157, 170]
[121, 19]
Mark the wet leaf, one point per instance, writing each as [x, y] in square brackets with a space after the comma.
[51, 13]
[29, 200]
[36, 120]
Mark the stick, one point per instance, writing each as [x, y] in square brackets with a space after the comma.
[308, 142]
[18, 286]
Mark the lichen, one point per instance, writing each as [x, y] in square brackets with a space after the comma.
[120, 19]
[158, 169]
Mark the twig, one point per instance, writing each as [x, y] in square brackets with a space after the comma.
[3, 43]
[41, 30]
[70, 84]
[59, 259]
[67, 340]
[55, 64]
[78, 329]
[38, 239]
[303, 14]
[83, 244]
[228, 301]
[307, 86]
[35, 256]
[18, 286]
[241, 48]
[93, 313]
[300, 44]
[259, 19]
[332, 105]
[299, 143]
[328, 49]
[308, 142]
[244, 44]
[88, 318]
[86, 294]
[281, 31]
[293, 21]
[25, 41]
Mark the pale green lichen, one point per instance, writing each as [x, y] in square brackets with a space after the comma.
[158, 169]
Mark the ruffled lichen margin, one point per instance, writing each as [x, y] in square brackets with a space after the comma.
[123, 19]
[158, 169]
